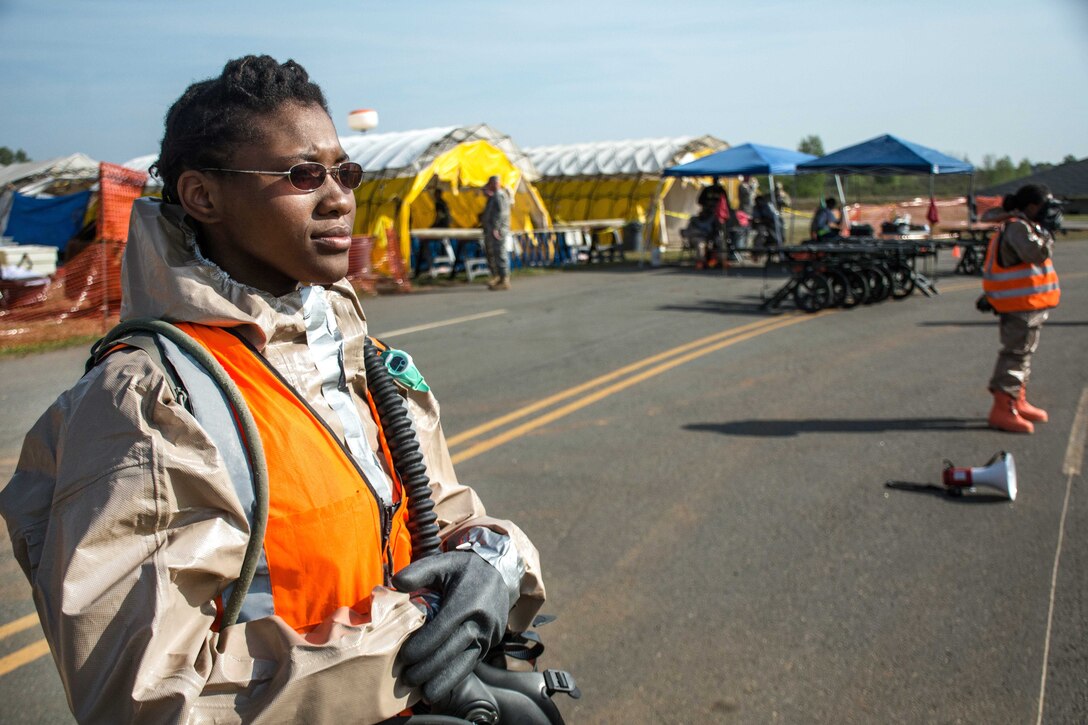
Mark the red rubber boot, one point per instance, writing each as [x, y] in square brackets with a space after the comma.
[1004, 415]
[1028, 411]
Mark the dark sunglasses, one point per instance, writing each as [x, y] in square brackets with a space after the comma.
[310, 175]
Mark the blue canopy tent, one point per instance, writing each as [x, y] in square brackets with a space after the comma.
[746, 159]
[749, 158]
[887, 155]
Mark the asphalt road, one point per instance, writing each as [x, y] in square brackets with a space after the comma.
[706, 485]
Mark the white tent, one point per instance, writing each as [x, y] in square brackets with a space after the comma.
[613, 158]
[29, 175]
[399, 152]
[143, 163]
[621, 180]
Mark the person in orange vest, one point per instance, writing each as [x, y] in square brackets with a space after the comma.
[1020, 284]
[134, 501]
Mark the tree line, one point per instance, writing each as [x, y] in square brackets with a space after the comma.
[7, 156]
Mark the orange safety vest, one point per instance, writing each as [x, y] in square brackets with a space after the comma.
[328, 542]
[1020, 288]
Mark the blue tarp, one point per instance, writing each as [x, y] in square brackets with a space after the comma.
[51, 221]
[886, 155]
[740, 160]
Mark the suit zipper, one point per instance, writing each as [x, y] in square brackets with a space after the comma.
[387, 546]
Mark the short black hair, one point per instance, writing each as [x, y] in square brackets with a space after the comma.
[1029, 194]
[215, 116]
[831, 202]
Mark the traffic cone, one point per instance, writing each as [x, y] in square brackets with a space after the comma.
[1004, 415]
[1029, 411]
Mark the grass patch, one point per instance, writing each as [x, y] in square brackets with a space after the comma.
[20, 349]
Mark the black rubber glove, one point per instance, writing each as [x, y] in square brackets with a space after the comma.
[471, 619]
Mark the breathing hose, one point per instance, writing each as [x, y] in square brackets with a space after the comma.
[404, 449]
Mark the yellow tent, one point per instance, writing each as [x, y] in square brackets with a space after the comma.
[403, 168]
[622, 180]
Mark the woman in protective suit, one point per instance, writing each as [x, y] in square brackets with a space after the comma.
[123, 511]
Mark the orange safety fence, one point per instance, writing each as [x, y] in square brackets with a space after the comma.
[79, 300]
[119, 189]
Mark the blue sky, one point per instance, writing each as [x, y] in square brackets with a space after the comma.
[968, 77]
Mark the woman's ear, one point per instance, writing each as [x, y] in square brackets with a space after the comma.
[198, 195]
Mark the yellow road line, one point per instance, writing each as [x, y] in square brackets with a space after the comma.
[600, 380]
[18, 625]
[960, 286]
[26, 655]
[674, 361]
[716, 342]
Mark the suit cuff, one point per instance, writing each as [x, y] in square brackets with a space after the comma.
[496, 549]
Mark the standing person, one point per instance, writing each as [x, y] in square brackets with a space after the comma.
[441, 211]
[784, 201]
[746, 197]
[713, 202]
[424, 255]
[495, 221]
[123, 511]
[1020, 284]
[442, 220]
[747, 191]
[714, 212]
[768, 222]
